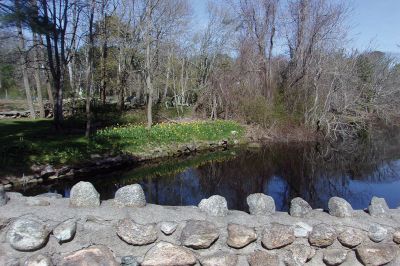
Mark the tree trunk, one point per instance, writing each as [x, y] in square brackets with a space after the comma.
[37, 75]
[24, 68]
[148, 67]
[49, 90]
[71, 63]
[89, 71]
[104, 48]
[164, 96]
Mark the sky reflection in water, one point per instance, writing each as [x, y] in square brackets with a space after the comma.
[282, 171]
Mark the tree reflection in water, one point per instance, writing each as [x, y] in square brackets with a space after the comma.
[315, 172]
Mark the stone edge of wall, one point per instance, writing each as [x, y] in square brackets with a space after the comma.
[381, 246]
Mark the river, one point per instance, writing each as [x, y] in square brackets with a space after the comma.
[352, 170]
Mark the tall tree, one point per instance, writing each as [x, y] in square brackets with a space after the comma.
[89, 70]
[23, 61]
[148, 66]
[59, 38]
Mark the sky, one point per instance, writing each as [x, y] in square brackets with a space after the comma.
[373, 24]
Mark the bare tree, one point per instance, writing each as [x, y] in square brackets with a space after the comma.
[89, 63]
[258, 19]
[23, 62]
[59, 38]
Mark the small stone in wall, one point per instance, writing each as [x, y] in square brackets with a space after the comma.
[199, 234]
[298, 254]
[378, 207]
[93, 256]
[215, 206]
[277, 236]
[396, 236]
[168, 227]
[129, 261]
[130, 196]
[136, 234]
[339, 207]
[302, 229]
[299, 207]
[263, 258]
[27, 235]
[167, 254]
[65, 231]
[3, 196]
[240, 236]
[351, 237]
[260, 204]
[38, 260]
[221, 258]
[83, 194]
[36, 201]
[377, 254]
[322, 235]
[377, 233]
[334, 256]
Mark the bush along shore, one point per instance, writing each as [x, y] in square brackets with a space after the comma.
[42, 157]
[128, 231]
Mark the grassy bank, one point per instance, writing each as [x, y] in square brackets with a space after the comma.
[27, 142]
[136, 138]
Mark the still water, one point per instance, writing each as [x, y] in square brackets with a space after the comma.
[314, 172]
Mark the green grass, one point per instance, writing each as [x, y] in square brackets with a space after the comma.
[136, 138]
[24, 142]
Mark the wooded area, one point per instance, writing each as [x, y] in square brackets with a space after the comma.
[263, 62]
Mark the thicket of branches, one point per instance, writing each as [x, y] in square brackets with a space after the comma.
[260, 61]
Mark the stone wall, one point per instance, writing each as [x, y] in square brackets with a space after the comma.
[81, 230]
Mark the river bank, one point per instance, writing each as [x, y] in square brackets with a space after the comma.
[90, 231]
[32, 151]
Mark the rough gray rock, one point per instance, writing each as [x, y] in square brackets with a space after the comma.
[93, 256]
[27, 235]
[83, 194]
[130, 196]
[277, 236]
[38, 260]
[50, 195]
[260, 204]
[299, 207]
[167, 254]
[4, 222]
[395, 261]
[129, 261]
[240, 236]
[199, 234]
[36, 201]
[334, 256]
[168, 227]
[339, 207]
[219, 259]
[298, 254]
[136, 234]
[396, 236]
[263, 258]
[47, 171]
[375, 254]
[351, 237]
[377, 233]
[3, 196]
[302, 229]
[65, 231]
[378, 207]
[215, 206]
[322, 235]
